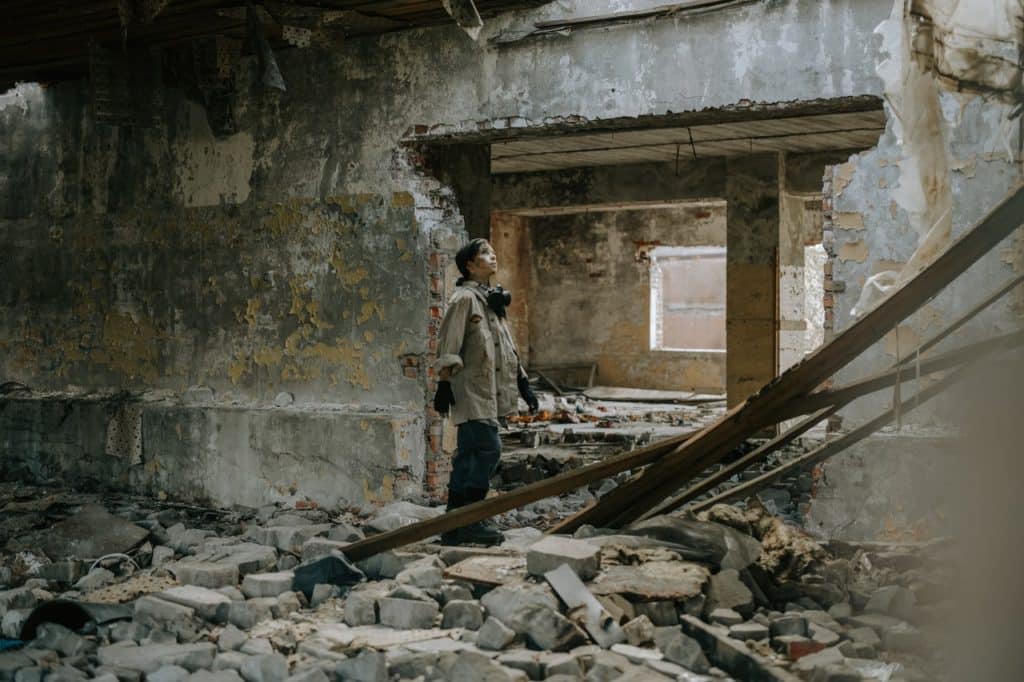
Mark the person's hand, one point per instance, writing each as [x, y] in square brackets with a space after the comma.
[444, 398]
[527, 393]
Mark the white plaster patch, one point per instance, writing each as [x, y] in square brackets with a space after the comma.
[211, 171]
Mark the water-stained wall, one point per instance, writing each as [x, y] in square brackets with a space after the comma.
[305, 252]
[590, 294]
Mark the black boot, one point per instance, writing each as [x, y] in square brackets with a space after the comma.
[455, 500]
[478, 533]
[483, 532]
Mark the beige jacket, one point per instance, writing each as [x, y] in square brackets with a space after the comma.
[477, 345]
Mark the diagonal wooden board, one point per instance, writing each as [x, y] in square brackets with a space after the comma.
[628, 502]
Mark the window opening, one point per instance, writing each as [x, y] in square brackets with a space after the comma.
[688, 298]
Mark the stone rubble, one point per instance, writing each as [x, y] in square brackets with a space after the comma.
[209, 600]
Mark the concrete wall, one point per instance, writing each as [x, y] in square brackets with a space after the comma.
[896, 478]
[590, 294]
[307, 252]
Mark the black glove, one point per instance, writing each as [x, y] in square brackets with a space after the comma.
[444, 398]
[527, 393]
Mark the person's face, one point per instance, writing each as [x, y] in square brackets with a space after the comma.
[484, 265]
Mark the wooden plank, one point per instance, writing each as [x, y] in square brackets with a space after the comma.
[556, 485]
[843, 395]
[833, 447]
[832, 401]
[628, 502]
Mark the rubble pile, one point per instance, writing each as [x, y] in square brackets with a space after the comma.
[267, 594]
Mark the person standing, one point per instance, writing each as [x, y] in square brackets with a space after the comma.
[480, 380]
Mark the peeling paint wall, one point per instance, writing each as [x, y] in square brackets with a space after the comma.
[300, 253]
[871, 234]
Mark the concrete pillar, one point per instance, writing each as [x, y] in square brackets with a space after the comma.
[752, 239]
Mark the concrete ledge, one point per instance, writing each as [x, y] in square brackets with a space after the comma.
[217, 454]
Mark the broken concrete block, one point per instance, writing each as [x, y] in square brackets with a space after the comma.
[179, 620]
[562, 664]
[494, 635]
[151, 658]
[462, 614]
[318, 548]
[231, 638]
[323, 593]
[245, 614]
[312, 674]
[407, 613]
[58, 638]
[229, 660]
[63, 572]
[361, 608]
[286, 604]
[205, 574]
[13, 620]
[267, 584]
[749, 631]
[661, 613]
[788, 624]
[819, 659]
[527, 661]
[207, 603]
[822, 635]
[344, 532]
[840, 611]
[726, 617]
[471, 666]
[248, 557]
[169, 673]
[162, 555]
[265, 668]
[367, 666]
[553, 551]
[902, 637]
[546, 628]
[94, 579]
[635, 654]
[639, 631]
[503, 601]
[726, 590]
[864, 635]
[892, 600]
[287, 538]
[421, 576]
[256, 646]
[680, 648]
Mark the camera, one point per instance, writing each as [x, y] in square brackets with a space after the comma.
[498, 299]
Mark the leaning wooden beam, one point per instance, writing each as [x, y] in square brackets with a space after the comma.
[628, 502]
[742, 463]
[820, 399]
[847, 393]
[836, 446]
[841, 397]
[549, 487]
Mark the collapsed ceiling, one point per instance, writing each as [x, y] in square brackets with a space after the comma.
[51, 40]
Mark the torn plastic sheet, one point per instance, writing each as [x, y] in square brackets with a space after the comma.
[966, 46]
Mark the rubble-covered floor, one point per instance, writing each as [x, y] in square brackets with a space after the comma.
[189, 593]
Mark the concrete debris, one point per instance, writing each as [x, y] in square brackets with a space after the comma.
[212, 605]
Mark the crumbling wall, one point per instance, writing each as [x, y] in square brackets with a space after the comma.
[870, 233]
[306, 253]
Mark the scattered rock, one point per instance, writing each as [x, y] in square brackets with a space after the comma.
[267, 584]
[546, 628]
[553, 551]
[407, 613]
[459, 613]
[494, 635]
[726, 590]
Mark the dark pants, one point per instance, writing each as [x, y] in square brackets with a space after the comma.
[476, 456]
